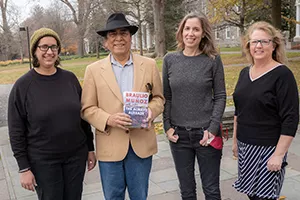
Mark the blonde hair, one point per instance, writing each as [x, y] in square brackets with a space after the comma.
[207, 45]
[277, 40]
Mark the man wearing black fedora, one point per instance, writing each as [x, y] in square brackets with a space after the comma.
[124, 154]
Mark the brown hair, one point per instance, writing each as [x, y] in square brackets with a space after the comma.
[207, 44]
[34, 42]
[277, 39]
[35, 61]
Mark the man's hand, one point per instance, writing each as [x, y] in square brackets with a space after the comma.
[120, 120]
[171, 136]
[27, 180]
[149, 118]
[91, 160]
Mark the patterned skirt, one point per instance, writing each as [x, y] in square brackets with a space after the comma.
[253, 175]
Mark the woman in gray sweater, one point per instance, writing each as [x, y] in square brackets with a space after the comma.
[194, 89]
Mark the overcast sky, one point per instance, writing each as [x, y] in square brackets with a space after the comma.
[26, 5]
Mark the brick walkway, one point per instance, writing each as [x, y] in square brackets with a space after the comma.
[163, 180]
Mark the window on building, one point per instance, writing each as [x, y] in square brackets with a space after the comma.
[217, 34]
[228, 34]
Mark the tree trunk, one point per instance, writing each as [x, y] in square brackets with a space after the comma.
[81, 17]
[276, 13]
[242, 23]
[80, 43]
[97, 47]
[160, 42]
[144, 31]
[140, 35]
[6, 31]
[150, 42]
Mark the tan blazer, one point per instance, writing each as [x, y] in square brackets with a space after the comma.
[101, 97]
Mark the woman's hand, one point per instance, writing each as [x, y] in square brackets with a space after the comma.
[27, 180]
[91, 160]
[170, 135]
[274, 163]
[234, 149]
[206, 136]
[234, 138]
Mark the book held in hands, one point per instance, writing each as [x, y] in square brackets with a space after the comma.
[136, 106]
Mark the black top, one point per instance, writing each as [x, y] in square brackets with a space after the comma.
[266, 107]
[194, 89]
[44, 117]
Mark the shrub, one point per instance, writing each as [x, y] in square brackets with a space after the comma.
[297, 47]
[13, 62]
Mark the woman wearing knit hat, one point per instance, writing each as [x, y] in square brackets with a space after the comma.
[50, 141]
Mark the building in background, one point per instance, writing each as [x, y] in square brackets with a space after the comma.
[225, 35]
[297, 37]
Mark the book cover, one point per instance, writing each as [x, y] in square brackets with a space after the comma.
[136, 106]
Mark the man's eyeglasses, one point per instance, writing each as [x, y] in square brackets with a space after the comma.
[122, 33]
[262, 42]
[45, 48]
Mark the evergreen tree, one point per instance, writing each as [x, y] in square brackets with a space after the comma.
[173, 14]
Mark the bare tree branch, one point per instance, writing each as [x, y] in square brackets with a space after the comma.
[72, 10]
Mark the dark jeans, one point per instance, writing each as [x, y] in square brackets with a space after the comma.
[60, 179]
[184, 153]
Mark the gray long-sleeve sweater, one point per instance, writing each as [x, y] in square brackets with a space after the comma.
[194, 89]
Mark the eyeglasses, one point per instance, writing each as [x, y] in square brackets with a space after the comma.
[262, 42]
[45, 48]
[114, 34]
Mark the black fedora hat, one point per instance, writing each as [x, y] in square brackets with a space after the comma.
[115, 21]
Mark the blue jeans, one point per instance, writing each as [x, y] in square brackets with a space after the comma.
[132, 172]
[184, 153]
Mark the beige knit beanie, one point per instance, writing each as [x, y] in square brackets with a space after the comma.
[40, 33]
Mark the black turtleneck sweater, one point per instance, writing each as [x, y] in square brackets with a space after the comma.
[44, 117]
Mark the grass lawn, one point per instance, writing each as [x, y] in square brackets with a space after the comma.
[231, 59]
[292, 54]
[229, 49]
[9, 74]
[232, 75]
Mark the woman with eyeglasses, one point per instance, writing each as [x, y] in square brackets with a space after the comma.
[50, 141]
[266, 114]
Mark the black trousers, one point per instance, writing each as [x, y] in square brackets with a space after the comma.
[60, 179]
[258, 198]
[184, 153]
